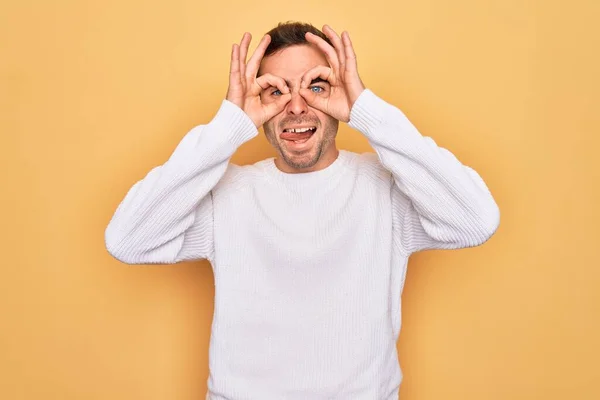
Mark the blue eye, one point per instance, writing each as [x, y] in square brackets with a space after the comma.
[316, 89]
[276, 92]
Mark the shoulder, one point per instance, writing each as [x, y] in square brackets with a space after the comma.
[238, 176]
[369, 165]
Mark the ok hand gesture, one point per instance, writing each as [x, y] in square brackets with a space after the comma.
[342, 75]
[244, 87]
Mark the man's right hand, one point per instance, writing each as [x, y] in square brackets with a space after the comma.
[245, 88]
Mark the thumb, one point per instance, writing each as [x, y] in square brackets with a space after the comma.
[313, 99]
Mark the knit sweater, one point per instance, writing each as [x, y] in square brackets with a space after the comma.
[309, 267]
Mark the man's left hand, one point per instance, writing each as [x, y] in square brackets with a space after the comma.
[342, 76]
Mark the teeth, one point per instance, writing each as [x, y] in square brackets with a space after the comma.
[299, 130]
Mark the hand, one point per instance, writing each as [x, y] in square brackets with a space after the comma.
[342, 75]
[244, 87]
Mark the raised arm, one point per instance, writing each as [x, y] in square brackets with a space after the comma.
[437, 201]
[167, 216]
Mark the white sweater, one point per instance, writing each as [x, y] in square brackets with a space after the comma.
[308, 268]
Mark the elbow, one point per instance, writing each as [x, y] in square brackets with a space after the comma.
[132, 249]
[119, 255]
[116, 252]
[116, 247]
[488, 222]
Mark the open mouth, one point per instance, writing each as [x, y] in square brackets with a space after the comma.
[298, 135]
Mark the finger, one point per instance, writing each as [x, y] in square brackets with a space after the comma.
[314, 100]
[337, 45]
[277, 106]
[234, 74]
[350, 55]
[235, 59]
[326, 48]
[234, 69]
[244, 44]
[254, 62]
[268, 80]
[320, 71]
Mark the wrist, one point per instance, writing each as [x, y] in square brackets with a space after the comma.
[354, 93]
[255, 119]
[235, 123]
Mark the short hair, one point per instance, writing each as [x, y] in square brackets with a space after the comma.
[291, 33]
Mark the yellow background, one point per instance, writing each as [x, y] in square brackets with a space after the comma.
[95, 93]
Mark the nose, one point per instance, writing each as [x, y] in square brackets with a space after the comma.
[297, 104]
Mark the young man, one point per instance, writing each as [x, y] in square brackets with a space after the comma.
[309, 249]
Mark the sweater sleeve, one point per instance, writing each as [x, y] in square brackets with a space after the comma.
[167, 216]
[438, 203]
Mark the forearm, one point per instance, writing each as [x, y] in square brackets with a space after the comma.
[168, 209]
[453, 204]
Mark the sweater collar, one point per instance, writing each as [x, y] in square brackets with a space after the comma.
[308, 178]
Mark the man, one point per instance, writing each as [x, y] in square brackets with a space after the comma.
[309, 249]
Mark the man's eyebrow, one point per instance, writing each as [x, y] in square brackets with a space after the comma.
[317, 80]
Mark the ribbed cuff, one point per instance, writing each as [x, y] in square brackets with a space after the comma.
[367, 112]
[234, 123]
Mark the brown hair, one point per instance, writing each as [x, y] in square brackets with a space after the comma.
[291, 33]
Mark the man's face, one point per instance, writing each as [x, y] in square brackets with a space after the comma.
[300, 149]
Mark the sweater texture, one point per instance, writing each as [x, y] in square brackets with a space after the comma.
[309, 268]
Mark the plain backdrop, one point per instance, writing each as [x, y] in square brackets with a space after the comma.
[96, 93]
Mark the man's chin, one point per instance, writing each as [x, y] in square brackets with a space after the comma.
[300, 159]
